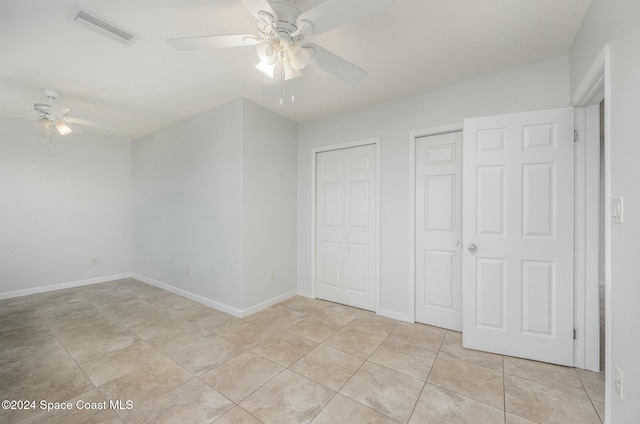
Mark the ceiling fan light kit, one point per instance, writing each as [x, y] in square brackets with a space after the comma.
[50, 115]
[283, 27]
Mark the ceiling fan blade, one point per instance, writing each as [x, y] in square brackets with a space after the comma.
[334, 13]
[17, 107]
[335, 65]
[255, 6]
[58, 109]
[213, 41]
[86, 123]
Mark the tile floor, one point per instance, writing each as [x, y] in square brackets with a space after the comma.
[300, 361]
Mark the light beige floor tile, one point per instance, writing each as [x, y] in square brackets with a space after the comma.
[172, 302]
[248, 335]
[341, 409]
[194, 402]
[355, 342]
[78, 414]
[315, 328]
[284, 348]
[197, 313]
[171, 336]
[276, 317]
[327, 366]
[479, 383]
[240, 376]
[557, 376]
[404, 357]
[339, 314]
[103, 366]
[201, 357]
[593, 383]
[145, 385]
[376, 324]
[18, 317]
[220, 323]
[304, 304]
[288, 398]
[52, 376]
[452, 347]
[440, 406]
[421, 335]
[389, 392]
[599, 409]
[97, 332]
[547, 405]
[514, 419]
[21, 341]
[237, 415]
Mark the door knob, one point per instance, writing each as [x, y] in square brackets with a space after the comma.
[456, 242]
[472, 247]
[346, 236]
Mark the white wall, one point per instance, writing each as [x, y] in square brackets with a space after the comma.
[269, 204]
[187, 207]
[60, 206]
[217, 193]
[616, 22]
[538, 86]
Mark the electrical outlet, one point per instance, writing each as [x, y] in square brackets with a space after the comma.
[619, 382]
[95, 261]
[272, 275]
[188, 270]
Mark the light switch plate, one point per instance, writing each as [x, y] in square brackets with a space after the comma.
[617, 210]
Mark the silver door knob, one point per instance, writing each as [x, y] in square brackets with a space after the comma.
[456, 242]
[472, 247]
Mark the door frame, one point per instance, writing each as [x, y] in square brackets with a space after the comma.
[413, 135]
[314, 152]
[594, 87]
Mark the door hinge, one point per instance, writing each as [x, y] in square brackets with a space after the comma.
[575, 136]
[575, 334]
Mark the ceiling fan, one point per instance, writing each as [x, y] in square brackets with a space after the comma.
[282, 29]
[50, 115]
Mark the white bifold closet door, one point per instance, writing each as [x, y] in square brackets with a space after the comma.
[345, 228]
[518, 235]
[438, 194]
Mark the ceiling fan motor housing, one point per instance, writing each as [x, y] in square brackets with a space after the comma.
[287, 15]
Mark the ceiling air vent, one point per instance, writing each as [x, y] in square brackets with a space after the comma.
[103, 27]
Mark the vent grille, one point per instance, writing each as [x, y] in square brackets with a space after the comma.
[104, 27]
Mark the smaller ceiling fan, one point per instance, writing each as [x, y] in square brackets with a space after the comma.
[50, 115]
[283, 27]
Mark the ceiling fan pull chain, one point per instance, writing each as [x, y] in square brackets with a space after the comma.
[281, 81]
[293, 90]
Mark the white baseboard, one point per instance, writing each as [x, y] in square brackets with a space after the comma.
[395, 315]
[263, 305]
[231, 310]
[305, 293]
[61, 286]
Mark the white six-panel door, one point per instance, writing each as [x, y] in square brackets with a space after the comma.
[438, 271]
[345, 258]
[518, 235]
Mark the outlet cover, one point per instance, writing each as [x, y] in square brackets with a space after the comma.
[95, 261]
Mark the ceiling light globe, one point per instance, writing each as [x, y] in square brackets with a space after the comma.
[42, 124]
[63, 128]
[267, 53]
[300, 58]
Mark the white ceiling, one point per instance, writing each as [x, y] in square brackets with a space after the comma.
[414, 46]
